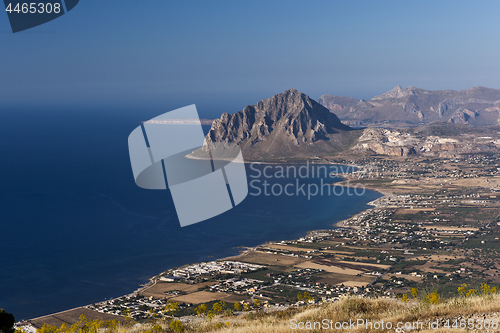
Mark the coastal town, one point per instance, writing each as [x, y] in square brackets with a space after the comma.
[433, 228]
[250, 167]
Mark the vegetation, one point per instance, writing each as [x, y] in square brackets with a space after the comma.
[469, 307]
[412, 309]
[6, 322]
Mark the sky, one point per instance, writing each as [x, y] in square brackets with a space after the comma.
[223, 55]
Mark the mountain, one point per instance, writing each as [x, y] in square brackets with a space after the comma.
[337, 103]
[408, 107]
[291, 126]
[286, 126]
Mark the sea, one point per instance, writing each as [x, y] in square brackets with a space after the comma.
[75, 229]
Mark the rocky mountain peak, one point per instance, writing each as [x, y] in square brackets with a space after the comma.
[397, 92]
[291, 100]
[281, 122]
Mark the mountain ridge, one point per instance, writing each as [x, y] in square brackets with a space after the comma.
[291, 127]
[411, 106]
[284, 126]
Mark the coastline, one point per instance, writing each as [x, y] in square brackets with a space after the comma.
[245, 250]
[374, 204]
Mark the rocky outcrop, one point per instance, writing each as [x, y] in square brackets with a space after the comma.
[396, 93]
[291, 114]
[387, 142]
[462, 116]
[392, 150]
[287, 125]
[436, 140]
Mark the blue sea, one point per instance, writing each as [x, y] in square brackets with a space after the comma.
[75, 229]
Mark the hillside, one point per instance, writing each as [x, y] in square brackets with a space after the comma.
[406, 107]
[422, 314]
[417, 313]
[432, 140]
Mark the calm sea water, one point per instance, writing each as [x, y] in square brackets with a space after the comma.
[75, 229]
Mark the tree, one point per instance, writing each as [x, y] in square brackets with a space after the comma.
[434, 298]
[6, 322]
[217, 308]
[256, 303]
[471, 292]
[237, 306]
[84, 325]
[46, 329]
[201, 309]
[171, 307]
[112, 325]
[403, 298]
[462, 289]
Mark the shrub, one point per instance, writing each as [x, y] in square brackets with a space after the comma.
[434, 298]
[354, 305]
[176, 326]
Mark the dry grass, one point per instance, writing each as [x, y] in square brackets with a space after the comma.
[347, 309]
[353, 308]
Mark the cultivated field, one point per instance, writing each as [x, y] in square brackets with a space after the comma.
[158, 290]
[329, 269]
[200, 297]
[261, 258]
[70, 317]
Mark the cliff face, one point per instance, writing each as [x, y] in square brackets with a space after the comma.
[292, 115]
[286, 126]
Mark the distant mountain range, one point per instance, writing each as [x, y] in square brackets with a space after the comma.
[408, 107]
[293, 127]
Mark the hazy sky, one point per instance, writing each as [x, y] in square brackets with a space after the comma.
[223, 55]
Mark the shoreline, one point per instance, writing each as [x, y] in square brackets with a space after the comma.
[243, 249]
